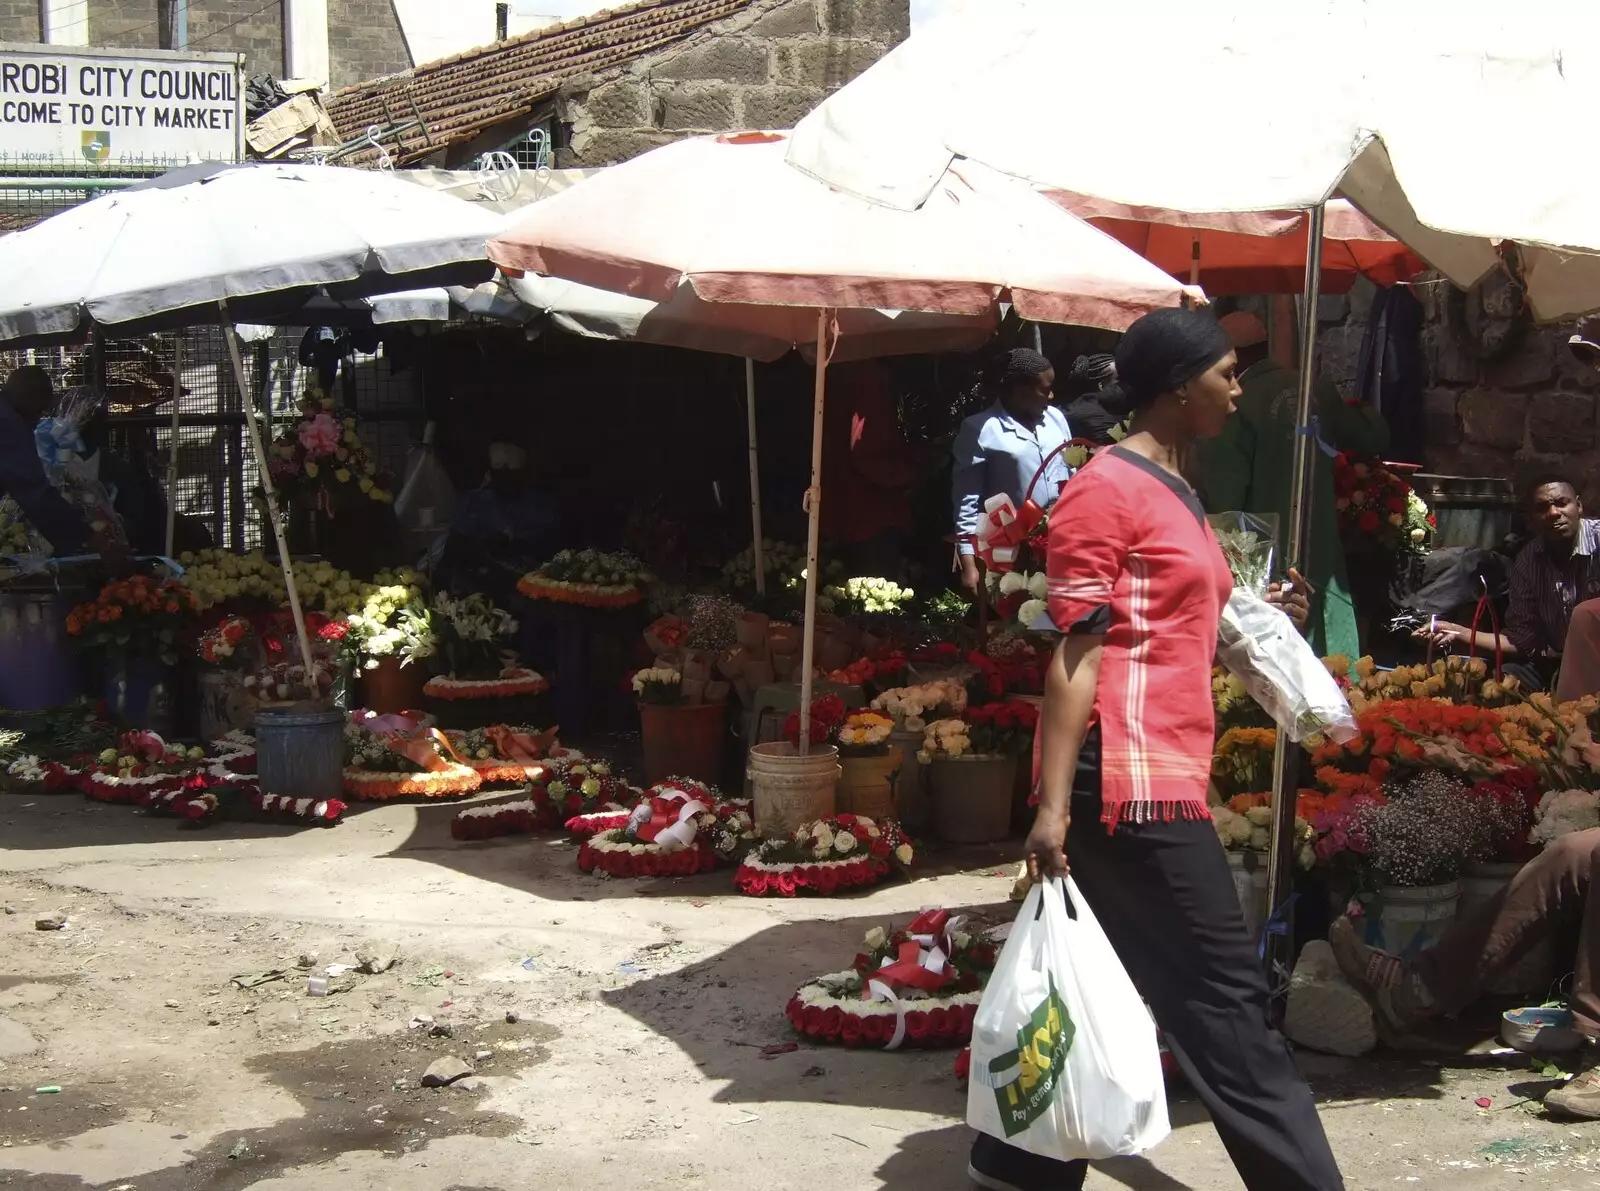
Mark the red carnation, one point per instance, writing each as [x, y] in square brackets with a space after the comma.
[815, 1021]
[918, 1027]
[795, 1012]
[786, 884]
[979, 717]
[940, 1025]
[850, 1035]
[833, 1019]
[877, 1028]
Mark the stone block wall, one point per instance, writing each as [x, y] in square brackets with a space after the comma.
[1508, 412]
[765, 68]
[19, 20]
[364, 41]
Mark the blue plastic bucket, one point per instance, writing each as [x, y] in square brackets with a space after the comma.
[300, 753]
[37, 667]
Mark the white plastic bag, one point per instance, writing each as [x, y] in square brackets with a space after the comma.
[1064, 1056]
[1260, 647]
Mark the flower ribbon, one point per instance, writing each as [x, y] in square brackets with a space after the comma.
[921, 966]
[1002, 529]
[428, 751]
[521, 748]
[664, 831]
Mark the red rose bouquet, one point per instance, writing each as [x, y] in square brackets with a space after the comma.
[1376, 504]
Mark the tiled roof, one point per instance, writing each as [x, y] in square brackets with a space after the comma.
[460, 96]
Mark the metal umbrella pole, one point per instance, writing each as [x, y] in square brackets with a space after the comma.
[1286, 760]
[247, 400]
[758, 549]
[172, 449]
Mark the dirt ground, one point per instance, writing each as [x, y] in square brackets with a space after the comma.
[615, 1031]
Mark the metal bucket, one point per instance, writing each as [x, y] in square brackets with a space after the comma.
[37, 666]
[300, 753]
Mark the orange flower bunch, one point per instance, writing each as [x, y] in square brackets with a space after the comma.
[135, 615]
[1424, 733]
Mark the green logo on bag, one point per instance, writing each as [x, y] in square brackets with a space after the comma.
[1040, 1057]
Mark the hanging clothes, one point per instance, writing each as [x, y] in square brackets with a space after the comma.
[1391, 373]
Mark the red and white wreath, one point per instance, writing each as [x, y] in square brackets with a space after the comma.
[671, 833]
[914, 987]
[825, 857]
[521, 817]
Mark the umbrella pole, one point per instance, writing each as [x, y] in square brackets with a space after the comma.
[172, 450]
[1286, 760]
[247, 400]
[755, 477]
[808, 647]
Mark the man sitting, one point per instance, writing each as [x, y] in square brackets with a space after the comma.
[1552, 577]
[1553, 897]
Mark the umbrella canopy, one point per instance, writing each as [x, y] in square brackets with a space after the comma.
[264, 238]
[726, 217]
[1407, 115]
[1252, 252]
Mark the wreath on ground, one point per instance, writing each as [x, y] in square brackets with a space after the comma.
[515, 682]
[670, 834]
[489, 822]
[508, 755]
[419, 762]
[825, 857]
[914, 987]
[140, 767]
[578, 786]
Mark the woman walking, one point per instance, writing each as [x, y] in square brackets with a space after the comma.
[1137, 583]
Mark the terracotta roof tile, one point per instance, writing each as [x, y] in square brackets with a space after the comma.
[460, 96]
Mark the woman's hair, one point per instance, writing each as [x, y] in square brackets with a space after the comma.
[1090, 374]
[1165, 350]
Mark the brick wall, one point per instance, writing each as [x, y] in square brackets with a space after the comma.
[763, 69]
[365, 41]
[19, 20]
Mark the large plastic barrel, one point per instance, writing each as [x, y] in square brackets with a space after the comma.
[37, 666]
[300, 753]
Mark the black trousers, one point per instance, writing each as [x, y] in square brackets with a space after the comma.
[1163, 894]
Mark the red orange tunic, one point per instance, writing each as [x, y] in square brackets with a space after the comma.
[1132, 557]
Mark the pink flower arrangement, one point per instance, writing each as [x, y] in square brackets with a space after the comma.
[320, 435]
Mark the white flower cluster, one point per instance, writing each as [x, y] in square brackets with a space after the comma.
[1252, 831]
[871, 595]
[1035, 585]
[945, 740]
[909, 705]
[27, 768]
[825, 843]
[393, 622]
[656, 676]
[1561, 812]
[474, 617]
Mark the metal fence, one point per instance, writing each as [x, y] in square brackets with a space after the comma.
[215, 472]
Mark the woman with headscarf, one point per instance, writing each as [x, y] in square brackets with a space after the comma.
[1001, 450]
[1137, 583]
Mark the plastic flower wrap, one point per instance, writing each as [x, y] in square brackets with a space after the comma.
[1261, 647]
[1246, 540]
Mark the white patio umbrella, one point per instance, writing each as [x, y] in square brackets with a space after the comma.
[222, 243]
[771, 252]
[1407, 109]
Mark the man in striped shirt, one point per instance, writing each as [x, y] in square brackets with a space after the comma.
[1552, 577]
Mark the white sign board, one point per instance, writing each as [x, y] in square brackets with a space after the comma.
[117, 109]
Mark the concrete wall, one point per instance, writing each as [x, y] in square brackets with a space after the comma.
[364, 35]
[19, 20]
[765, 68]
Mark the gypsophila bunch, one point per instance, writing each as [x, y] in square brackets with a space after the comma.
[1426, 834]
[711, 621]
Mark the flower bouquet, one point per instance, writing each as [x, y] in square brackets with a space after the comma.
[1509, 807]
[578, 786]
[869, 596]
[506, 755]
[59, 445]
[825, 857]
[1426, 834]
[588, 578]
[227, 645]
[394, 623]
[1241, 762]
[669, 834]
[1244, 824]
[139, 617]
[482, 680]
[910, 706]
[1464, 681]
[917, 987]
[1019, 596]
[1374, 504]
[320, 462]
[394, 757]
[1421, 734]
[827, 717]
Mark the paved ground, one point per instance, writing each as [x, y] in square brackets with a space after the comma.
[634, 1059]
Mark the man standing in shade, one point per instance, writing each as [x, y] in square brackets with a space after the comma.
[1249, 468]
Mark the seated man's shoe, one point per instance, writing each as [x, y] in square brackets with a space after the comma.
[1579, 1098]
[1399, 998]
[996, 1166]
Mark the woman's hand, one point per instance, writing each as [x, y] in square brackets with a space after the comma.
[1294, 598]
[1443, 634]
[1045, 849]
[969, 573]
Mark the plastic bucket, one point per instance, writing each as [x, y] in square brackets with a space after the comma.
[1409, 921]
[37, 667]
[1249, 872]
[225, 704]
[970, 800]
[1536, 969]
[300, 752]
[682, 741]
[787, 789]
[911, 789]
[866, 785]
